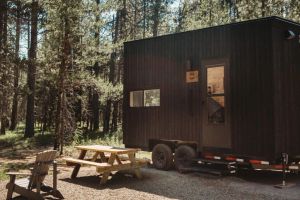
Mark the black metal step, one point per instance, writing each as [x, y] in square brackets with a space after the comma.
[218, 162]
[201, 169]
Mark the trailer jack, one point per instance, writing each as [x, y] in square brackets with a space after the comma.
[284, 162]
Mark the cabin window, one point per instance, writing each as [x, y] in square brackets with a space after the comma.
[136, 98]
[215, 94]
[152, 98]
[145, 98]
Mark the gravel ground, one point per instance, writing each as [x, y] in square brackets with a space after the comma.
[172, 185]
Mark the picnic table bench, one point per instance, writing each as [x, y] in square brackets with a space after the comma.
[107, 159]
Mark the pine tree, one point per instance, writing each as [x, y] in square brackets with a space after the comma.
[4, 66]
[14, 113]
[31, 74]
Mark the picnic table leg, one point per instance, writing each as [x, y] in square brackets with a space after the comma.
[118, 160]
[105, 176]
[95, 156]
[137, 171]
[77, 166]
[10, 186]
[102, 156]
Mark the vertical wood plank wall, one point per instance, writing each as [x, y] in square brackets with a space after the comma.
[159, 63]
[287, 89]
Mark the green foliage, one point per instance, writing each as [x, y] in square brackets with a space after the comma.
[16, 141]
[14, 166]
[3, 176]
[83, 136]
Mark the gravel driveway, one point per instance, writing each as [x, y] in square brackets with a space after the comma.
[172, 185]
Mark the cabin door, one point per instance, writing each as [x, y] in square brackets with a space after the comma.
[215, 104]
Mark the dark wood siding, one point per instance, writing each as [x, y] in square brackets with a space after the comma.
[287, 89]
[252, 89]
[159, 63]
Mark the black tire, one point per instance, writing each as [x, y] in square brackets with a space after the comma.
[184, 156]
[162, 157]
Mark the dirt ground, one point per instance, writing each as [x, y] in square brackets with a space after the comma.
[171, 185]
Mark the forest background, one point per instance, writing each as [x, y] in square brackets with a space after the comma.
[61, 61]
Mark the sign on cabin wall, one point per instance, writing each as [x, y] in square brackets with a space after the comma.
[192, 76]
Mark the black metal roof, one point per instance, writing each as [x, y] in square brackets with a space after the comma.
[228, 24]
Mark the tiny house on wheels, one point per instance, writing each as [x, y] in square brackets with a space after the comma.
[223, 94]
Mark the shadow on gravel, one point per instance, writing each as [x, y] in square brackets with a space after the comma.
[150, 183]
[172, 184]
[267, 177]
[116, 181]
[24, 198]
[85, 181]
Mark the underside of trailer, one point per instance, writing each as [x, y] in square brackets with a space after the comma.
[186, 157]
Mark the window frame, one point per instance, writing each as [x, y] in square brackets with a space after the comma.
[224, 94]
[143, 98]
[131, 105]
[144, 104]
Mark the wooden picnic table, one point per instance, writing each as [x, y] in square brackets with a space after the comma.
[111, 159]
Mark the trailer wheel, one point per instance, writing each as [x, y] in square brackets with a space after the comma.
[183, 156]
[162, 157]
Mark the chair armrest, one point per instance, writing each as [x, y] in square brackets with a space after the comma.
[19, 173]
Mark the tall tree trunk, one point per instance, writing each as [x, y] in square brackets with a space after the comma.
[3, 67]
[121, 26]
[263, 8]
[78, 107]
[2, 12]
[106, 116]
[181, 16]
[114, 121]
[111, 76]
[61, 103]
[29, 129]
[28, 34]
[44, 117]
[90, 109]
[14, 113]
[95, 96]
[144, 18]
[52, 103]
[107, 110]
[156, 17]
[96, 115]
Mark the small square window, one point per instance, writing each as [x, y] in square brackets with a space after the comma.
[136, 99]
[152, 98]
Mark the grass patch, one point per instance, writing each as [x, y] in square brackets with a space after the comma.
[3, 176]
[9, 139]
[83, 137]
[13, 145]
[17, 141]
[4, 168]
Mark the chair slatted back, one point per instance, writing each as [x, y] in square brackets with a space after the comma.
[41, 167]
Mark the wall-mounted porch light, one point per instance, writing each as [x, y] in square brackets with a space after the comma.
[289, 35]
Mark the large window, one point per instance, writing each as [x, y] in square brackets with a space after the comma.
[145, 98]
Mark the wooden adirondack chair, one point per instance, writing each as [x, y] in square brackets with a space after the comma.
[31, 187]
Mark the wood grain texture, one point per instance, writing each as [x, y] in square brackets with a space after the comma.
[108, 149]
